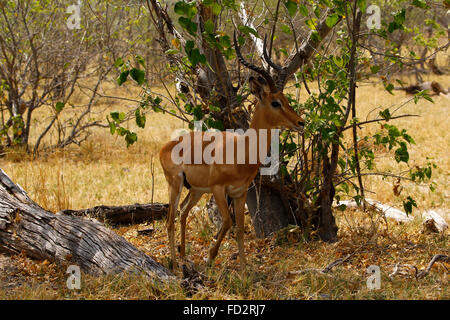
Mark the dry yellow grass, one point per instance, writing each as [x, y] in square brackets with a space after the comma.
[104, 171]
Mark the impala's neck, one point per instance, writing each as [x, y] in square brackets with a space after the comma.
[259, 122]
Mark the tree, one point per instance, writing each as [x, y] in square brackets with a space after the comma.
[317, 167]
[47, 65]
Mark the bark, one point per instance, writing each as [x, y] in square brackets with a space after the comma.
[323, 219]
[135, 213]
[268, 209]
[26, 227]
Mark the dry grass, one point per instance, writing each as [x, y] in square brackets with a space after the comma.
[104, 171]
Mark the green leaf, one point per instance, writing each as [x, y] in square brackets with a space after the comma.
[194, 54]
[112, 127]
[140, 119]
[198, 113]
[421, 4]
[331, 85]
[311, 23]
[140, 60]
[385, 114]
[181, 8]
[331, 20]
[172, 51]
[401, 154]
[186, 9]
[389, 88]
[121, 131]
[399, 19]
[209, 26]
[291, 7]
[116, 116]
[409, 204]
[362, 5]
[248, 30]
[345, 187]
[188, 25]
[59, 106]
[119, 62]
[400, 16]
[138, 75]
[286, 29]
[375, 69]
[123, 77]
[130, 138]
[216, 8]
[338, 61]
[303, 10]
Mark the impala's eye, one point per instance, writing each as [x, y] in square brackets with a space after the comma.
[276, 104]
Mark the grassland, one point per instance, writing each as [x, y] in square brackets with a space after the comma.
[104, 171]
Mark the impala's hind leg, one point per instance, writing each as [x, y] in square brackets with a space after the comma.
[175, 188]
[221, 200]
[191, 200]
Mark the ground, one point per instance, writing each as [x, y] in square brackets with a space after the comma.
[104, 171]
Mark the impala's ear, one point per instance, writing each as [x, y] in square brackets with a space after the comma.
[258, 86]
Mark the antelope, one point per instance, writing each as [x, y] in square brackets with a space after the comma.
[271, 111]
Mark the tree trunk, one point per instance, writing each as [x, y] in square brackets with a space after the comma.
[26, 227]
[323, 219]
[267, 209]
[135, 213]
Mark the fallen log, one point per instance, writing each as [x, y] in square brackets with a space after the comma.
[135, 213]
[26, 227]
[433, 222]
[387, 211]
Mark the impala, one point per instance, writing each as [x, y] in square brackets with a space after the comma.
[271, 111]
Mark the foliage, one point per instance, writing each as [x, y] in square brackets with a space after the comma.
[44, 65]
[325, 140]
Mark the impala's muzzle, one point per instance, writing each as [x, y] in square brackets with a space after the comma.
[299, 126]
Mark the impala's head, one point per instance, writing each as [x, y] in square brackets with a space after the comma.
[273, 107]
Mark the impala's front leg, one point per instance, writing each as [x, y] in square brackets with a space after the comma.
[239, 207]
[221, 201]
[175, 192]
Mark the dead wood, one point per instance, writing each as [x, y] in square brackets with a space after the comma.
[40, 234]
[135, 213]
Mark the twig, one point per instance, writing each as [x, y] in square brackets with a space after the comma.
[398, 266]
[436, 257]
[338, 262]
[378, 120]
